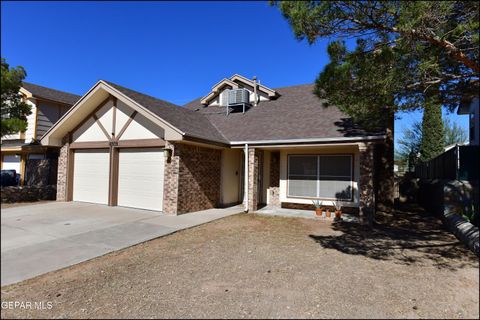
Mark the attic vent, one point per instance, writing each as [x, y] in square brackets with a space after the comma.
[237, 100]
[238, 96]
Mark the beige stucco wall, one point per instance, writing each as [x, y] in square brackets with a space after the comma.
[230, 175]
[352, 149]
[139, 128]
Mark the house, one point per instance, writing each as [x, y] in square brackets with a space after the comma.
[471, 107]
[241, 142]
[47, 106]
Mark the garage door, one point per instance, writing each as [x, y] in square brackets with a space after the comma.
[90, 179]
[140, 178]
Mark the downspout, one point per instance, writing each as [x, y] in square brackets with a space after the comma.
[245, 188]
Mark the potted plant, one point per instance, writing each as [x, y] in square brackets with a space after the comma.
[338, 210]
[318, 207]
[327, 213]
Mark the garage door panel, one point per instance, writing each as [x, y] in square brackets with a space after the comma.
[140, 178]
[91, 176]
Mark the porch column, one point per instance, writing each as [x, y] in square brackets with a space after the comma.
[253, 172]
[62, 171]
[274, 187]
[366, 185]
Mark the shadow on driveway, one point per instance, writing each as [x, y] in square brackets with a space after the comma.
[409, 236]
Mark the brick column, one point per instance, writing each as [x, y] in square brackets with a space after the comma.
[366, 185]
[170, 186]
[275, 179]
[62, 170]
[253, 172]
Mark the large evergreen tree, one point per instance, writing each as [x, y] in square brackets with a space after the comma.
[14, 110]
[433, 141]
[403, 49]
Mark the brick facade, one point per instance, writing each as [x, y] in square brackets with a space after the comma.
[62, 171]
[366, 183]
[192, 179]
[170, 187]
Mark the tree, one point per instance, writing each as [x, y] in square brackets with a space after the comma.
[14, 110]
[434, 43]
[404, 50]
[454, 134]
[409, 145]
[433, 142]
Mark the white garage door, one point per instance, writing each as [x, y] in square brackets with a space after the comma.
[140, 178]
[91, 176]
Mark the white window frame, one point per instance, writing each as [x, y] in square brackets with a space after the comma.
[318, 156]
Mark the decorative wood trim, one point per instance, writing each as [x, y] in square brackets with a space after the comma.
[132, 116]
[114, 117]
[70, 170]
[113, 180]
[102, 127]
[104, 102]
[90, 145]
[141, 143]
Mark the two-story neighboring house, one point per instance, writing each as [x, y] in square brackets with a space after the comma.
[48, 105]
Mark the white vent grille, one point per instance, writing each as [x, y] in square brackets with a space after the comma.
[238, 96]
[224, 97]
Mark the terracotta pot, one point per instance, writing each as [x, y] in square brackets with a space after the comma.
[338, 213]
[327, 214]
[318, 212]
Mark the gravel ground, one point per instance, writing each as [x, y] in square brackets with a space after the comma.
[251, 266]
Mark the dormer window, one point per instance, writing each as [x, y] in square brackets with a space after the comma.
[238, 91]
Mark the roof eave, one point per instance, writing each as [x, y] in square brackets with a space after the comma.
[309, 140]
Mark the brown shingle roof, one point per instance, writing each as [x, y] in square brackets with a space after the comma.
[51, 94]
[192, 123]
[297, 114]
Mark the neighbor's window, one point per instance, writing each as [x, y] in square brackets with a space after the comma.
[320, 176]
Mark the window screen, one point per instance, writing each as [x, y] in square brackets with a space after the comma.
[320, 176]
[335, 177]
[302, 176]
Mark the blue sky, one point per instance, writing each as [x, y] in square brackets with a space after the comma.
[172, 50]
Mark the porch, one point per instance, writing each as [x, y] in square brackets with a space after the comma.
[307, 214]
[286, 179]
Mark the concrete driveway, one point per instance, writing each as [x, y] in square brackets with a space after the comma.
[41, 238]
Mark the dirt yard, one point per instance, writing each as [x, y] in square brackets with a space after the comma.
[250, 266]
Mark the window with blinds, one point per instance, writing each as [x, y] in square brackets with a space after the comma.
[320, 176]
